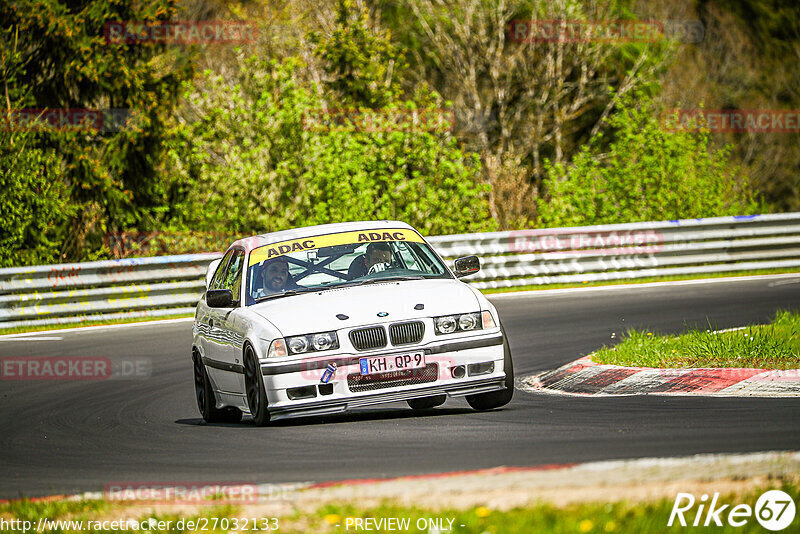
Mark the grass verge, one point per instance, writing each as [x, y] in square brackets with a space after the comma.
[97, 515]
[638, 280]
[621, 517]
[648, 516]
[772, 346]
[45, 328]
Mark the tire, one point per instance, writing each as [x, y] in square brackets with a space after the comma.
[206, 400]
[426, 403]
[254, 387]
[496, 399]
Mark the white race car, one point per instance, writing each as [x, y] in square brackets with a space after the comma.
[319, 320]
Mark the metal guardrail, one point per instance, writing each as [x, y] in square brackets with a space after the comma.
[102, 290]
[171, 285]
[629, 251]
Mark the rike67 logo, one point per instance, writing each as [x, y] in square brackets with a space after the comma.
[775, 510]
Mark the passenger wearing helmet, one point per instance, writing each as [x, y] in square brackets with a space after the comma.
[376, 254]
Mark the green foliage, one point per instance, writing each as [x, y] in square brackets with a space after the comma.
[32, 204]
[647, 174]
[55, 56]
[240, 157]
[364, 64]
[259, 157]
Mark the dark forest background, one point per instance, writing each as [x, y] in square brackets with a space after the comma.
[217, 141]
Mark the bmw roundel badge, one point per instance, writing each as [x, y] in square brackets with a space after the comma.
[383, 314]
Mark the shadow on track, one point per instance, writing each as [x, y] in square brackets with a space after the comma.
[350, 417]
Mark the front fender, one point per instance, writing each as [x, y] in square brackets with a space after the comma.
[259, 332]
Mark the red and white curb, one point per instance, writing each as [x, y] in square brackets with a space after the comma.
[585, 377]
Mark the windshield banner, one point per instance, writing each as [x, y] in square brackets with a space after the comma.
[330, 240]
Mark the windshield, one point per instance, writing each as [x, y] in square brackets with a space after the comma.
[335, 260]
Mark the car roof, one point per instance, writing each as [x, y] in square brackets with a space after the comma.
[253, 242]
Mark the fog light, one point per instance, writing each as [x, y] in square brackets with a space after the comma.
[305, 392]
[458, 371]
[481, 368]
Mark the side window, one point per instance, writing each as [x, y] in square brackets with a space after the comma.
[232, 278]
[217, 279]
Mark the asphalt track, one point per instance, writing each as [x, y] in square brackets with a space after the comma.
[65, 437]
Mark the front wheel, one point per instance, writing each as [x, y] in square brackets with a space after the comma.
[496, 399]
[254, 384]
[426, 403]
[206, 400]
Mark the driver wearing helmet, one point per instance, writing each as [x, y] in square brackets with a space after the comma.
[377, 253]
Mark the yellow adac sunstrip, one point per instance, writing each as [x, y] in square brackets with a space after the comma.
[344, 238]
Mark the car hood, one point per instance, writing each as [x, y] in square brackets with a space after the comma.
[316, 312]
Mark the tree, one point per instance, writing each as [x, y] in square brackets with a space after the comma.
[265, 155]
[648, 173]
[363, 64]
[519, 100]
[63, 61]
[33, 202]
[749, 59]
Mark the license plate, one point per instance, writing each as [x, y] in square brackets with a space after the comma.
[394, 362]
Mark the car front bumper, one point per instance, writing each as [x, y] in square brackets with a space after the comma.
[476, 352]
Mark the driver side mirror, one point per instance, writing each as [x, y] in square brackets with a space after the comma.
[466, 266]
[219, 298]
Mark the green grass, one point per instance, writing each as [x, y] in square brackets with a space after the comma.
[26, 509]
[637, 280]
[649, 516]
[44, 328]
[772, 346]
[621, 517]
[101, 510]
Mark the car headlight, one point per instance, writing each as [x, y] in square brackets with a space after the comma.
[312, 342]
[298, 344]
[468, 321]
[448, 324]
[324, 341]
